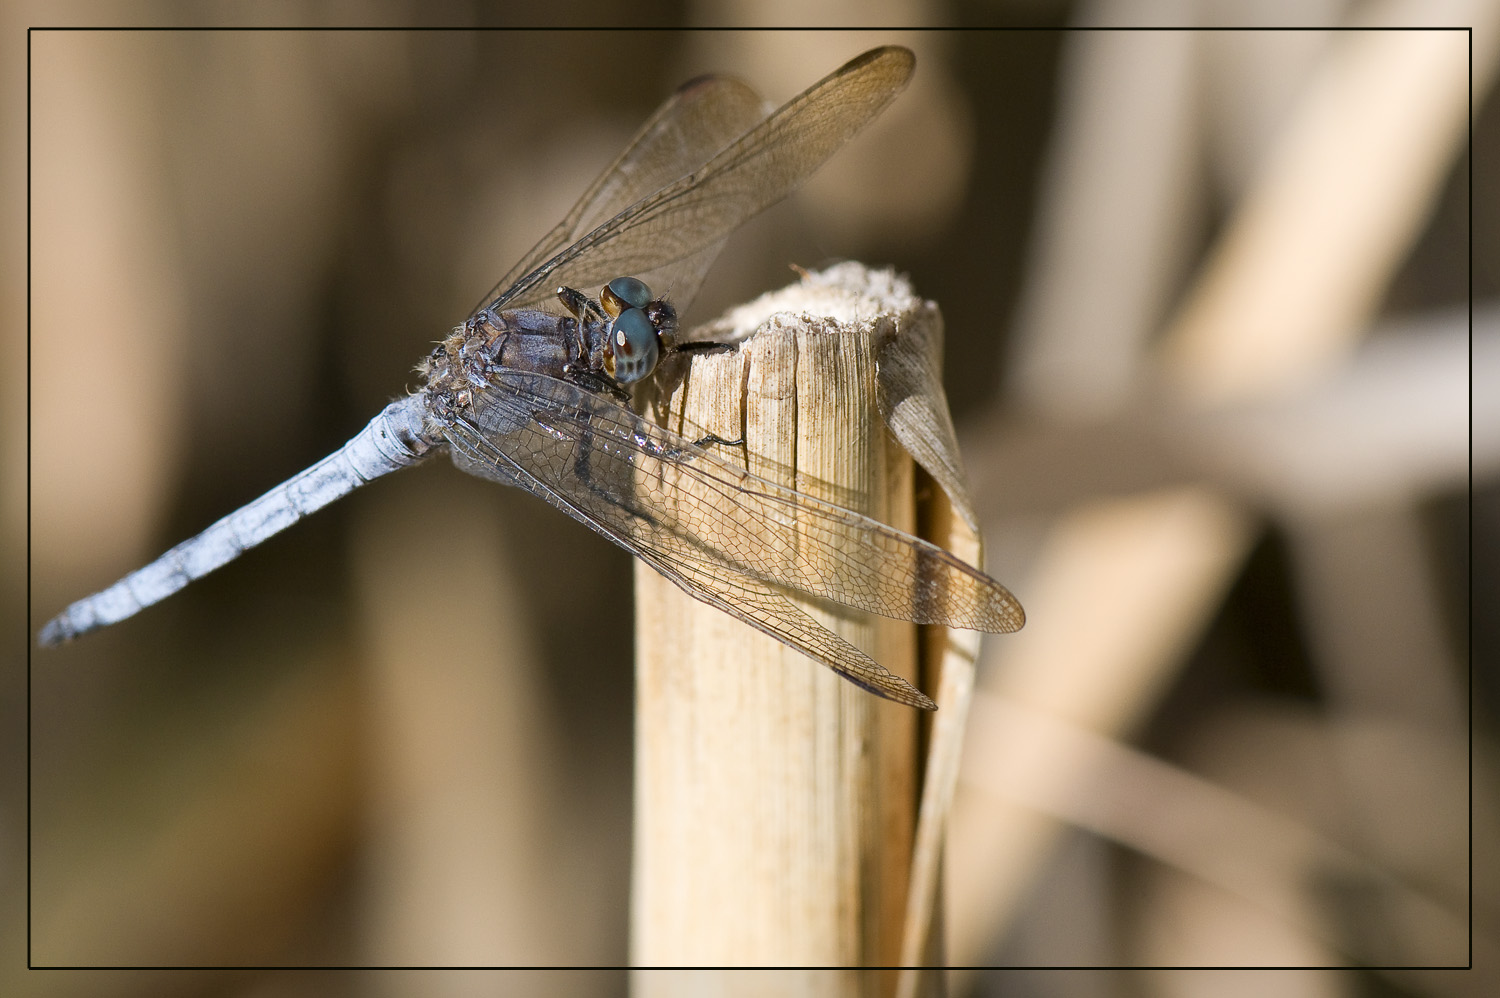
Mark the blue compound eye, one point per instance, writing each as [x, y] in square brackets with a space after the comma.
[624, 292]
[632, 343]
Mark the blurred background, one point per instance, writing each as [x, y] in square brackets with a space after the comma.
[1208, 348]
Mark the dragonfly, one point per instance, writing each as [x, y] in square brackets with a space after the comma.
[533, 390]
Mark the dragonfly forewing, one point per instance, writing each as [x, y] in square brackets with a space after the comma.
[684, 222]
[700, 119]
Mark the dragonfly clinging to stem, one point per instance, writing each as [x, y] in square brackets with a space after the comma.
[532, 391]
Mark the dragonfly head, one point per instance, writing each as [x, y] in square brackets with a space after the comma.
[641, 330]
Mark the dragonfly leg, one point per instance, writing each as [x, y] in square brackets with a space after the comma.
[581, 305]
[596, 381]
[587, 311]
[704, 347]
[714, 438]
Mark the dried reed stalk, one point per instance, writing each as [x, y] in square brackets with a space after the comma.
[775, 802]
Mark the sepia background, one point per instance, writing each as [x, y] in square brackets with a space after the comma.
[1231, 434]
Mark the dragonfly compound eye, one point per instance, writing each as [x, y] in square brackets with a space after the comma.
[632, 344]
[624, 292]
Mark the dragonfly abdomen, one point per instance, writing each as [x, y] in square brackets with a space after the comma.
[395, 438]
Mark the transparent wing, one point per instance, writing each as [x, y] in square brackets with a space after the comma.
[727, 537]
[701, 118]
[682, 224]
[763, 608]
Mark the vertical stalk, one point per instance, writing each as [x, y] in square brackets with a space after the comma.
[775, 802]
